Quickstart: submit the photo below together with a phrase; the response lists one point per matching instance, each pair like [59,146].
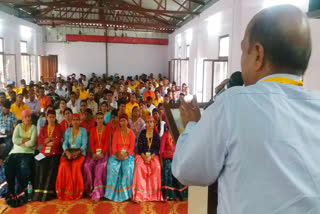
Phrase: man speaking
[262,141]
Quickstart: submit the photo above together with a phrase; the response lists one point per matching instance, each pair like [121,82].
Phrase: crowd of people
[105,137]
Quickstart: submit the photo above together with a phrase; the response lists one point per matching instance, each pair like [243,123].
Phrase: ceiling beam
[113,4]
[87,22]
[156,18]
[198,2]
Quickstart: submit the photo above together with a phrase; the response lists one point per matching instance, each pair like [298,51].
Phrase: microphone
[235,80]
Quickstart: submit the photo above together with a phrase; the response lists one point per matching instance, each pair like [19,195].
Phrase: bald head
[284,33]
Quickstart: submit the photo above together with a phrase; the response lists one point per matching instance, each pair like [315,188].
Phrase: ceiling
[150,15]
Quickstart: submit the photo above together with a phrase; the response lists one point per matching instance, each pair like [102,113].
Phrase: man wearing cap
[18,106]
[7,122]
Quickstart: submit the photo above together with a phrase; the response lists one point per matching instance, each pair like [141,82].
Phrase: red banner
[113,39]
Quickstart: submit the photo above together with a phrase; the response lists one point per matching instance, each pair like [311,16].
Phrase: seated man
[19,106]
[7,122]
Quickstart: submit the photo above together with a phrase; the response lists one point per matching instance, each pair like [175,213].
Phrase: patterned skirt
[172,189]
[119,179]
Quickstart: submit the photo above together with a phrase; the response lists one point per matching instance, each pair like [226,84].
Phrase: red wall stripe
[113,39]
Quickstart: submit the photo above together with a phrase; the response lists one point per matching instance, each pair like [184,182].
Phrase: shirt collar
[290,76]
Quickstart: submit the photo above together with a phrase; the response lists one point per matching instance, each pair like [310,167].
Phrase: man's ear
[258,53]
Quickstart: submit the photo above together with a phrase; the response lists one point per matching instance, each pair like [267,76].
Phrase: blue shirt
[262,143]
[7,122]
[80,142]
[107,117]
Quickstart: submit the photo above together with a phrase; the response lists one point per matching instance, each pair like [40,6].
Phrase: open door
[48,67]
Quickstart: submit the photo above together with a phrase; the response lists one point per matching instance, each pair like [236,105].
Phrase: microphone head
[235,79]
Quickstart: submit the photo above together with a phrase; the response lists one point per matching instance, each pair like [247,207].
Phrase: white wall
[10,31]
[312,76]
[229,17]
[124,59]
[133,59]
[78,57]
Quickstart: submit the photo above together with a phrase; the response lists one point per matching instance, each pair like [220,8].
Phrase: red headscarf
[125,116]
[76,115]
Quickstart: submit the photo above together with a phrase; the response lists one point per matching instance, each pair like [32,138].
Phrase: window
[23,47]
[39,69]
[212,74]
[33,68]
[25,68]
[10,67]
[179,69]
[188,52]
[223,46]
[1,45]
[180,52]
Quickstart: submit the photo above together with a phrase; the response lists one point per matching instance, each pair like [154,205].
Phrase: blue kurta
[262,143]
[80,142]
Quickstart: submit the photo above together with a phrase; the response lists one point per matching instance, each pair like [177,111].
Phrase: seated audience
[67,122]
[149,105]
[89,121]
[74,103]
[7,122]
[92,103]
[60,110]
[44,99]
[130,105]
[159,124]
[18,107]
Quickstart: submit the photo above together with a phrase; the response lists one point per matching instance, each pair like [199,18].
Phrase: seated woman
[67,122]
[112,125]
[147,173]
[121,163]
[50,138]
[42,119]
[172,189]
[96,162]
[136,124]
[89,122]
[60,111]
[159,124]
[69,185]
[104,110]
[19,164]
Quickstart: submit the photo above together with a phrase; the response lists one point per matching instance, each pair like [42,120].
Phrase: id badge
[48,149]
[123,151]
[148,153]
[98,151]
[73,146]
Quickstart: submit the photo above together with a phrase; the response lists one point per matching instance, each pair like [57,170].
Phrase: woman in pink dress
[147,173]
